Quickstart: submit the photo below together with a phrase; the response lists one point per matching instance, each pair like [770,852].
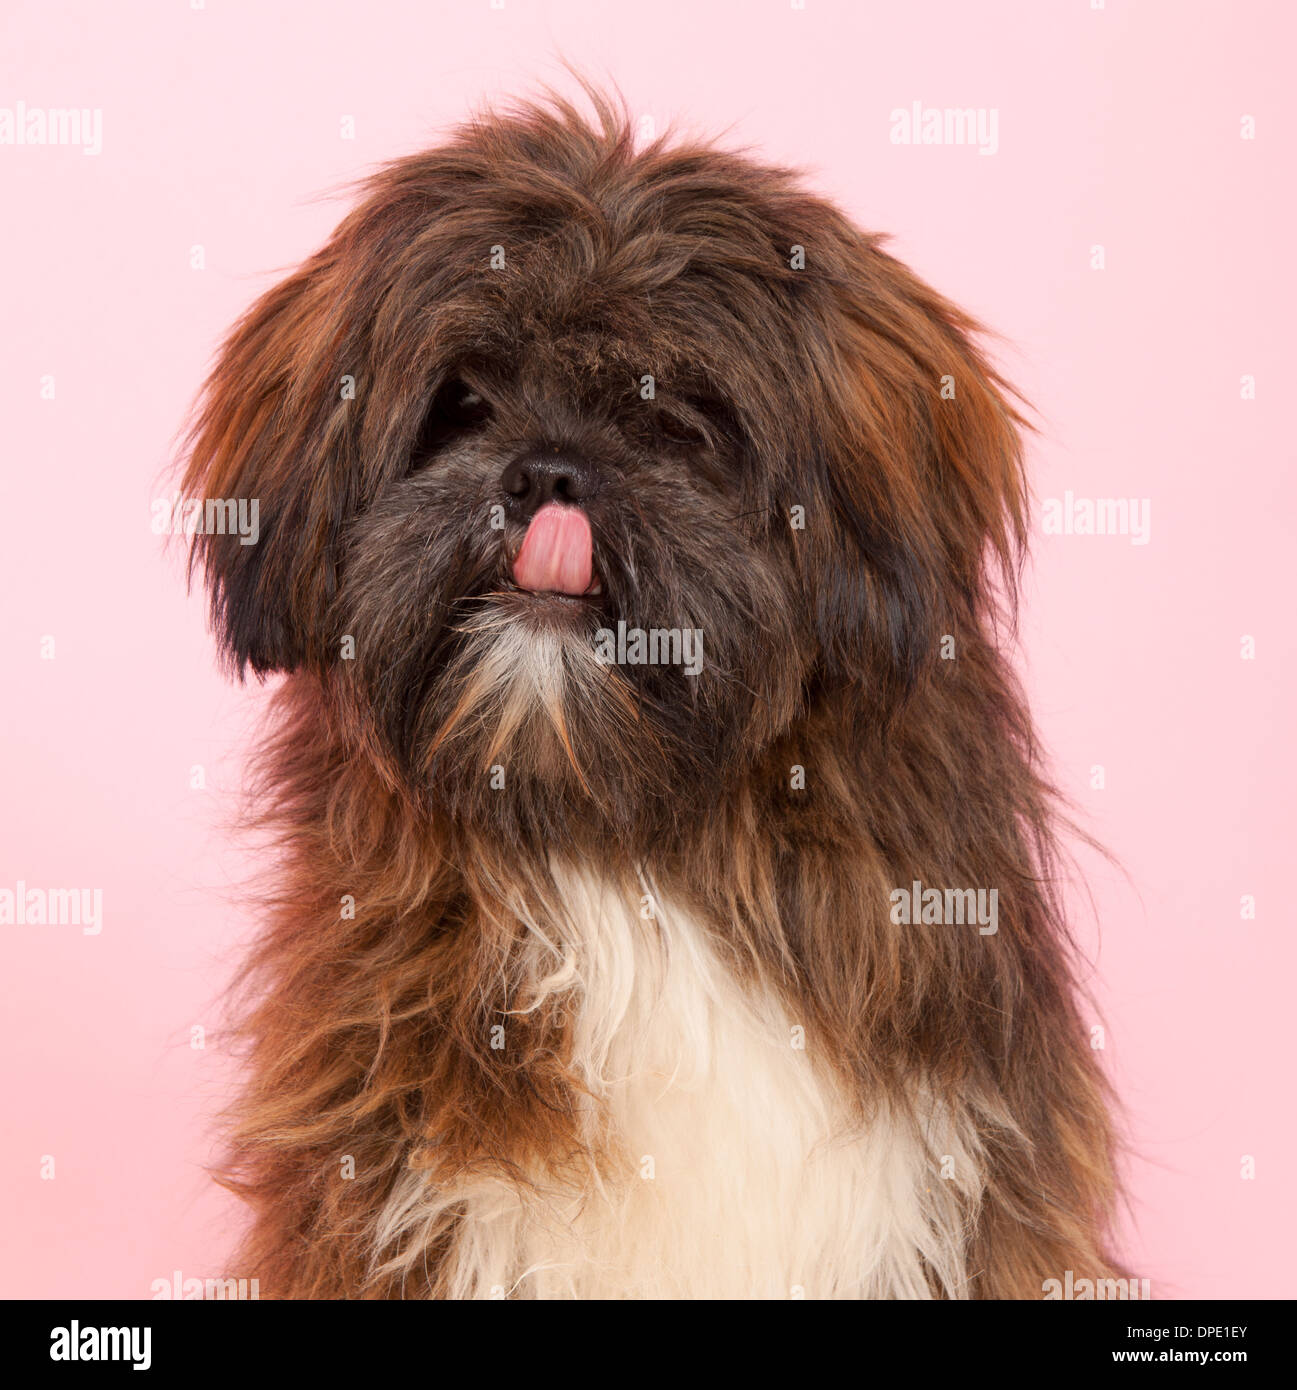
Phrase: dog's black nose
[536,478]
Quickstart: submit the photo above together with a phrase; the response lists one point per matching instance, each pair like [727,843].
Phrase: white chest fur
[741,1174]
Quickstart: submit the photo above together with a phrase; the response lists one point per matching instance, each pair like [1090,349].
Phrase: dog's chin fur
[581,979]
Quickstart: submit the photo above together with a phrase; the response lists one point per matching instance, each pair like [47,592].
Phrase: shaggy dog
[667,902]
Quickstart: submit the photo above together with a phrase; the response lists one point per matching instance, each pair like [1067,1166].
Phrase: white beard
[738,1168]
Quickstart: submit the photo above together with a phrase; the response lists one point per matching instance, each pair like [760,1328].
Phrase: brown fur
[777,388]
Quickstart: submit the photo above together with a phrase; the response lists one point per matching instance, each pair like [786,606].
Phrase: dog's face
[584,474]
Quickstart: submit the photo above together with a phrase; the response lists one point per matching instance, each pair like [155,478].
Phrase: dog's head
[583,473]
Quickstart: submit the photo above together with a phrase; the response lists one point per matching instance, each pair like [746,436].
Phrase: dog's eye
[700,422]
[679,428]
[457,409]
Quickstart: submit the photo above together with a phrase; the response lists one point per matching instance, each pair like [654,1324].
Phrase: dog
[667,895]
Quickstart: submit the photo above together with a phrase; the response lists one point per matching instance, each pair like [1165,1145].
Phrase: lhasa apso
[667,903]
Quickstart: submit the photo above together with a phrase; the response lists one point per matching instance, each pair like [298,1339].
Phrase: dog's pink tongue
[557,552]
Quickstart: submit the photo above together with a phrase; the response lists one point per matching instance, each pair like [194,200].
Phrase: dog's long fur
[573,983]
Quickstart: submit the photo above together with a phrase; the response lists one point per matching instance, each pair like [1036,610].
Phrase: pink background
[221,127]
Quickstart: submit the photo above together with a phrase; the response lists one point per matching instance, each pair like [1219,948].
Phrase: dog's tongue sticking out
[557,552]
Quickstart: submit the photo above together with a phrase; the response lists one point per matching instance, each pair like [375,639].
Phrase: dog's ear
[874,586]
[273,433]
[921,474]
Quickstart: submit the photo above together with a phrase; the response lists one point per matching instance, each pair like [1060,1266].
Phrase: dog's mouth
[556,556]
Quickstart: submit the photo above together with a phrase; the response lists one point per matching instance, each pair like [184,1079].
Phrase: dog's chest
[725,1162]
